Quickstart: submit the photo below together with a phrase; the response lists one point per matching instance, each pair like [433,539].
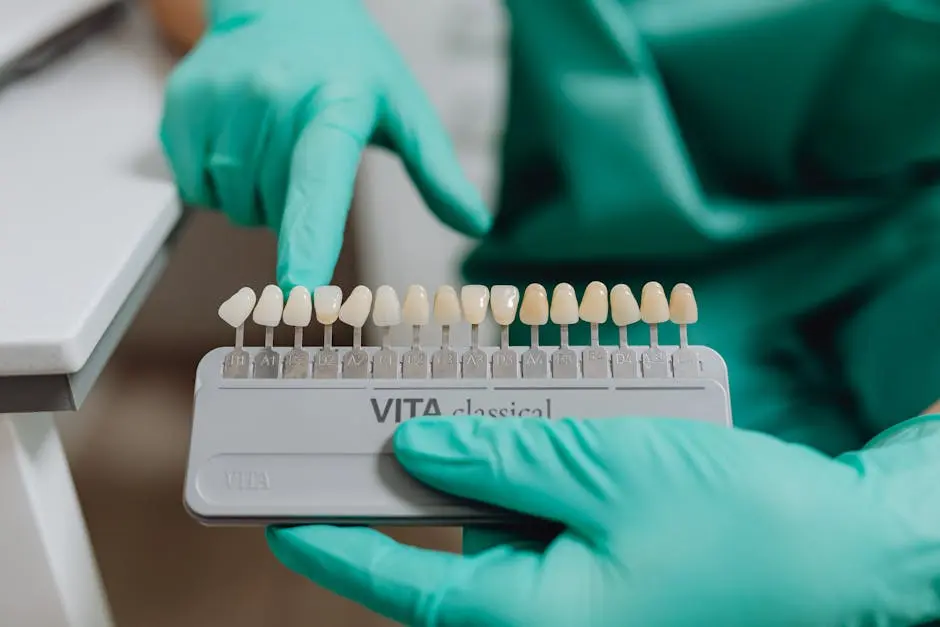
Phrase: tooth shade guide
[654,306]
[356,363]
[269,307]
[447,306]
[321,429]
[386,308]
[235,311]
[445,362]
[327,302]
[238,307]
[236,365]
[564,312]
[416,311]
[654,310]
[474,301]
[595,305]
[534,312]
[683,311]
[624,308]
[595,309]
[504,303]
[355,311]
[473,361]
[416,308]
[564,305]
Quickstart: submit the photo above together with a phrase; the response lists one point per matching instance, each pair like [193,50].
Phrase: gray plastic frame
[294,451]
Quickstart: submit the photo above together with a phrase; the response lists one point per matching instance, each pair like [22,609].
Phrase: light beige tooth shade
[447,306]
[595,305]
[355,311]
[654,306]
[270,307]
[534,309]
[250,294]
[682,306]
[416,310]
[624,310]
[386,310]
[564,309]
[474,300]
[327,301]
[504,301]
[299,308]
[237,309]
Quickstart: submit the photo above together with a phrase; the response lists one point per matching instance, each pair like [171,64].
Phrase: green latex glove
[268,117]
[666,523]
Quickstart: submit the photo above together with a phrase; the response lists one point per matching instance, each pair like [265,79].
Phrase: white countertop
[84,200]
[24,23]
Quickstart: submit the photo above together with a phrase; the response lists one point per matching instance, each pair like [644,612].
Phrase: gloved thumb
[428,155]
[551,470]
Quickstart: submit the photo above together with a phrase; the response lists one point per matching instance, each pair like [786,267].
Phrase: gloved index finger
[322,179]
[183,135]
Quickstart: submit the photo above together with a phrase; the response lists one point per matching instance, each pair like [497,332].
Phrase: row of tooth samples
[449,309]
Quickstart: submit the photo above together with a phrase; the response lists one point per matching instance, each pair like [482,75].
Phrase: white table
[85,219]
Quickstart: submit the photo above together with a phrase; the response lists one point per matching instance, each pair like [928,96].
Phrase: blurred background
[128,444]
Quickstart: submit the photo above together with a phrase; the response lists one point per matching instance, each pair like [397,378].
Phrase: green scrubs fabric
[782,157]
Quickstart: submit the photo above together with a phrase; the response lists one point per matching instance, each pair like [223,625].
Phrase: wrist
[220,11]
[914,429]
[901,465]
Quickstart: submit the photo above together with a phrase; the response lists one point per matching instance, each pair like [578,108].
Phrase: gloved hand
[267,119]
[667,523]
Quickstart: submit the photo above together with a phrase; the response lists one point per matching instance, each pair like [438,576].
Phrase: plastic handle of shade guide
[318,450]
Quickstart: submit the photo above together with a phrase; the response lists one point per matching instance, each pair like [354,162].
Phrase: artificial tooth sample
[235,311]
[624,311]
[504,301]
[564,312]
[533,312]
[654,310]
[327,301]
[386,313]
[355,313]
[267,314]
[683,311]
[474,300]
[297,313]
[415,311]
[445,363]
[594,310]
